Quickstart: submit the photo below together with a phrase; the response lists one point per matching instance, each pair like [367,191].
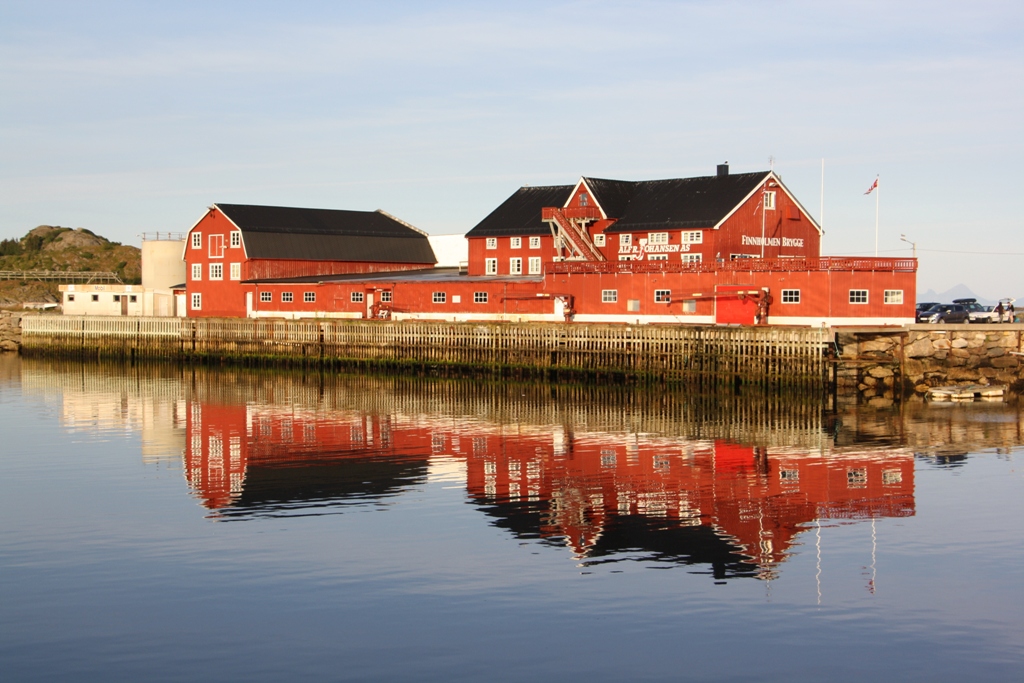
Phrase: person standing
[999,312]
[1009,312]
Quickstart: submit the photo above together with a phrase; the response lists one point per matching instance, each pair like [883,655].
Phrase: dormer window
[584,199]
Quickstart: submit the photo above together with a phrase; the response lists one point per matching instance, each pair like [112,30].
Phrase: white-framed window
[197,271]
[236,239]
[609,296]
[893,296]
[791,296]
[117,298]
[479,297]
[385,297]
[515,242]
[657,238]
[693,237]
[216,246]
[584,199]
[626,257]
[515,266]
[456,298]
[662,296]
[857,477]
[266,297]
[535,242]
[216,271]
[690,306]
[95,297]
[309,297]
[197,240]
[858,296]
[71,297]
[769,201]
[197,301]
[287,297]
[490,266]
[625,240]
[440,297]
[132,299]
[535,265]
[236,271]
[633,305]
[492,242]
[692,258]
[599,239]
[657,257]
[356,297]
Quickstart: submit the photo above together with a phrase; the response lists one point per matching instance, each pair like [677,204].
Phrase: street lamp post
[913,245]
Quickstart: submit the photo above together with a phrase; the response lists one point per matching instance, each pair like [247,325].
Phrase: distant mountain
[961,291]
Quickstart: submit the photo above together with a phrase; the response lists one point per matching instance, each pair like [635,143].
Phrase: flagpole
[878,191]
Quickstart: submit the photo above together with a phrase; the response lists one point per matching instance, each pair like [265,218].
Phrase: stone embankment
[10,331]
[883,364]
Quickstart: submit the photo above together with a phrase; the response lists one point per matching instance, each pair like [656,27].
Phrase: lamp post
[913,245]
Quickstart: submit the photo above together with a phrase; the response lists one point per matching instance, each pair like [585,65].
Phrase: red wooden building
[722,249]
[233,245]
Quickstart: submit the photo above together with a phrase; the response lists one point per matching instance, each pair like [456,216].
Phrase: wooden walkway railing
[765,356]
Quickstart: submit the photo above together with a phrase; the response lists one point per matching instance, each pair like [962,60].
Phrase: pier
[766,357]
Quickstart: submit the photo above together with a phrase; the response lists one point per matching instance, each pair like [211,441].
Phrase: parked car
[976,312]
[945,313]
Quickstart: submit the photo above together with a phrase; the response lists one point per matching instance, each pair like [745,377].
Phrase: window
[657,238]
[690,306]
[892,477]
[691,258]
[535,243]
[535,265]
[95,297]
[197,240]
[309,297]
[491,266]
[385,297]
[356,297]
[893,296]
[216,246]
[584,199]
[440,297]
[625,240]
[456,298]
[515,266]
[117,298]
[197,271]
[657,257]
[599,240]
[633,305]
[626,257]
[216,271]
[516,242]
[71,297]
[769,201]
[236,271]
[479,297]
[236,239]
[133,299]
[789,476]
[858,296]
[492,242]
[287,297]
[857,478]
[266,297]
[693,237]
[609,296]
[197,301]
[791,296]
[662,296]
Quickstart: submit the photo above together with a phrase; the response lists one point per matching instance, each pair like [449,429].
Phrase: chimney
[723,169]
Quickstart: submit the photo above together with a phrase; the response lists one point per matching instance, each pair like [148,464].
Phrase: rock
[996,351]
[919,349]
[959,343]
[879,372]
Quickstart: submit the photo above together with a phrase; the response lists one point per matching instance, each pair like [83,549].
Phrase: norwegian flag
[874,186]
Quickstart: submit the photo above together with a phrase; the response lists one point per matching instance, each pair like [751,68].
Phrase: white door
[248,304]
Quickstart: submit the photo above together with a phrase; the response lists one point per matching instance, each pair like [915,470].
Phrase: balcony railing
[824,263]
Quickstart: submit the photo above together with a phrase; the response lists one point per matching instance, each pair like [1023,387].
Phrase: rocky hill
[50,247]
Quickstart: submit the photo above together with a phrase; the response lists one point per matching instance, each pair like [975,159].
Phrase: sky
[133,117]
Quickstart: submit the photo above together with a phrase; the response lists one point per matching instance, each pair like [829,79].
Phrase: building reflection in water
[725,484]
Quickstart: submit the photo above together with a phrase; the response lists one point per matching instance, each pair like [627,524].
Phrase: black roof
[674,203]
[281,232]
[520,213]
[638,205]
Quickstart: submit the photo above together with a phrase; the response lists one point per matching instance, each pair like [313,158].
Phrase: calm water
[166,524]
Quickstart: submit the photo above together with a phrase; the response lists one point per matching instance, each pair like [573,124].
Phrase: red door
[735,304]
